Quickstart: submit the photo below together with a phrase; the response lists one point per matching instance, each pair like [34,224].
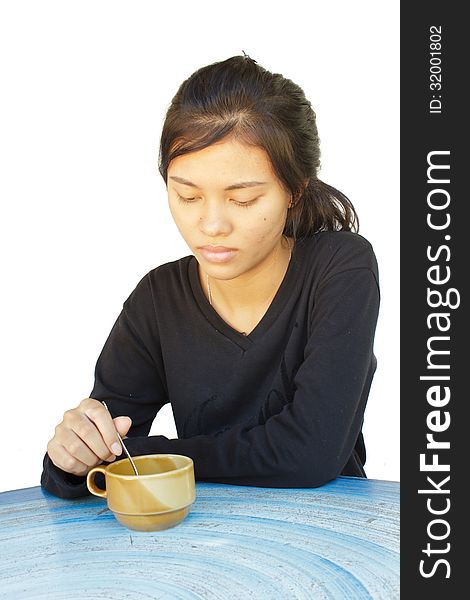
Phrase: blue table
[340,541]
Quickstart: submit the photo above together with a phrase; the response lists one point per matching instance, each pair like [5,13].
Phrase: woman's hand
[86,437]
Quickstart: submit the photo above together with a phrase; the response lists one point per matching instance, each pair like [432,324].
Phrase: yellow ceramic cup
[159,498]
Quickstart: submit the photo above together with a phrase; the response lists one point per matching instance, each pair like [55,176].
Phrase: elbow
[313,473]
[298,465]
[312,479]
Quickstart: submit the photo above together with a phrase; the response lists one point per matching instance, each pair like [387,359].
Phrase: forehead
[223,164]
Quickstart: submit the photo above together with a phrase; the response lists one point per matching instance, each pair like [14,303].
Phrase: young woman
[262,339]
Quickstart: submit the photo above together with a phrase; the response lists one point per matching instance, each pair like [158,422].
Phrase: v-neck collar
[273,311]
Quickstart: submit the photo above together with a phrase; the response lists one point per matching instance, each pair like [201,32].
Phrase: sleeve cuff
[62,484]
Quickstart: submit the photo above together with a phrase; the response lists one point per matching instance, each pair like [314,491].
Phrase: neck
[255,289]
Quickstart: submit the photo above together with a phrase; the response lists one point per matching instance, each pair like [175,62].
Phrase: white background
[85,87]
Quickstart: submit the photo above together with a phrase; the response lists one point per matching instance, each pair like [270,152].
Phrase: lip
[218,254]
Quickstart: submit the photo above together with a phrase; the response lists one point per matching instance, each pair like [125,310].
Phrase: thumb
[122,424]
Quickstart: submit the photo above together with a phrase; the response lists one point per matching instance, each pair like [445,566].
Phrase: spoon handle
[122,443]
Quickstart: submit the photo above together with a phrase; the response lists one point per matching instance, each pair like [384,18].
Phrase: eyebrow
[234,186]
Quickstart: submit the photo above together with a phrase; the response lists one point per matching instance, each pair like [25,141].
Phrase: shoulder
[336,251]
[160,281]
[329,254]
[170,271]
[340,243]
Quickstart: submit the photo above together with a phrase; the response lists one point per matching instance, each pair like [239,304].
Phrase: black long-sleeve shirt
[280,407]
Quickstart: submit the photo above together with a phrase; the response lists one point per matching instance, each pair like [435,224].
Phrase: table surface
[339,541]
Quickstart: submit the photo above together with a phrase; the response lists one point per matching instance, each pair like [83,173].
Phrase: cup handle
[90,482]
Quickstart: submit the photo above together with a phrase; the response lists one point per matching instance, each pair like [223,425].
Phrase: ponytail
[320,207]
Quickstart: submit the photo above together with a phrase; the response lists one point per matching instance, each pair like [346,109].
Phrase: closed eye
[183,199]
[194,199]
[246,204]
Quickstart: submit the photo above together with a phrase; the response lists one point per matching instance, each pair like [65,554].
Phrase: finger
[62,459]
[89,433]
[80,450]
[102,419]
[122,424]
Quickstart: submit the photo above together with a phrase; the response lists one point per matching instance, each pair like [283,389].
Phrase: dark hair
[238,98]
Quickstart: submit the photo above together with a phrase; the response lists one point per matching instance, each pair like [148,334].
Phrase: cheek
[264,228]
[182,218]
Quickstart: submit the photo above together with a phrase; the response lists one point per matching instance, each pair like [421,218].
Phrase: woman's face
[228,196]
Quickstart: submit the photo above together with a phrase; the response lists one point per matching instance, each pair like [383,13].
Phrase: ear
[296,197]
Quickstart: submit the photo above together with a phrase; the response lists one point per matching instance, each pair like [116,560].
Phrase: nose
[213,220]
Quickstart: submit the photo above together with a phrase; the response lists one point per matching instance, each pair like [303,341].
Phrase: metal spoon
[122,443]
